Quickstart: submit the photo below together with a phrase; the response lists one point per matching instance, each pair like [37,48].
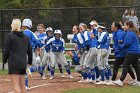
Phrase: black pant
[131,59]
[118,62]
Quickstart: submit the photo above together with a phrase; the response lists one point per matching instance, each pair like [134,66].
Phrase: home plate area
[37,85]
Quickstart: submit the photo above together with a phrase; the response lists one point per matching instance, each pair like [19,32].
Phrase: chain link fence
[61,18]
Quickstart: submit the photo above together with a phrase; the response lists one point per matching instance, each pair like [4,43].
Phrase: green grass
[105,90]
[3,72]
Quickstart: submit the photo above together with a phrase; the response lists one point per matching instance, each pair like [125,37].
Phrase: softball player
[108,73]
[94,31]
[26,25]
[57,48]
[93,27]
[76,56]
[102,52]
[91,60]
[46,58]
[83,48]
[87,52]
[40,36]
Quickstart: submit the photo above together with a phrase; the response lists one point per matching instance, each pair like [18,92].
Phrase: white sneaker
[71,77]
[87,80]
[109,83]
[27,88]
[43,77]
[136,83]
[100,83]
[82,81]
[118,82]
[98,79]
[132,82]
[51,77]
[91,81]
[62,76]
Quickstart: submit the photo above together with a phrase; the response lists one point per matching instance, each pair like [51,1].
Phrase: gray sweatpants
[79,68]
[107,57]
[102,53]
[46,58]
[57,57]
[91,58]
[42,54]
[34,62]
[82,57]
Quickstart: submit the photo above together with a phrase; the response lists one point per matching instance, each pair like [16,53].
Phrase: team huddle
[92,50]
[48,50]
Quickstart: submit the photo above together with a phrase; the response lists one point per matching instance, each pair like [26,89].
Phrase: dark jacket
[17,47]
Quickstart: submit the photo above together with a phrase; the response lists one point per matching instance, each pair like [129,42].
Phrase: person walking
[15,54]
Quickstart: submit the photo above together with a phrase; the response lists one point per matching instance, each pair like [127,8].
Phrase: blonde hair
[16,25]
[83,25]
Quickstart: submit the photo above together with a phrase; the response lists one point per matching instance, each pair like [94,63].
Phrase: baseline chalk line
[38,86]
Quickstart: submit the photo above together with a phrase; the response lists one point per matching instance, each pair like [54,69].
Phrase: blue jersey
[131,43]
[80,41]
[86,38]
[74,39]
[33,39]
[56,45]
[102,41]
[95,32]
[118,38]
[75,58]
[93,42]
[40,38]
[46,39]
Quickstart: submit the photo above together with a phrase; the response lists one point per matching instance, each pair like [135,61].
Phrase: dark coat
[17,47]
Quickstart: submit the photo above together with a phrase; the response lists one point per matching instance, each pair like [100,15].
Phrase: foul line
[38,86]
[8,80]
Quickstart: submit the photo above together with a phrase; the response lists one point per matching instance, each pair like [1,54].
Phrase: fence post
[2,37]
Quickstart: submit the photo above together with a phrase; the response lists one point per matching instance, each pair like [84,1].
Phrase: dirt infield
[49,86]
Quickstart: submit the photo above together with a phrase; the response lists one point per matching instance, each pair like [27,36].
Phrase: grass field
[105,90]
[3,72]
[0,56]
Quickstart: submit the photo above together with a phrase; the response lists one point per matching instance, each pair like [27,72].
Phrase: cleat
[136,84]
[100,83]
[51,77]
[90,81]
[43,77]
[132,82]
[118,82]
[109,83]
[62,76]
[71,77]
[98,79]
[82,81]
[27,88]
